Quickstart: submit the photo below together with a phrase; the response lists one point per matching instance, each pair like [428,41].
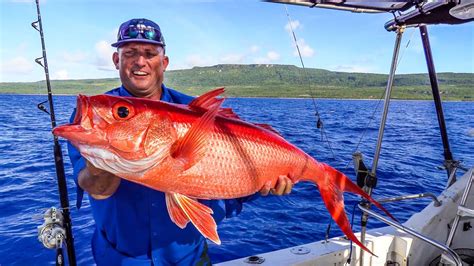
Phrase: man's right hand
[98,183]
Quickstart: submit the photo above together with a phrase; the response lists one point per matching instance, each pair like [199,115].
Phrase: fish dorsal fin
[228,112]
[208,99]
[193,145]
[184,209]
[270,128]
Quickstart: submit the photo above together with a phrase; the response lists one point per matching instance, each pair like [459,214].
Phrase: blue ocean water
[411,152]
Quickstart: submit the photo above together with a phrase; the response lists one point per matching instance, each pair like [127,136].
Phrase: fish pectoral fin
[193,145]
[175,212]
[196,212]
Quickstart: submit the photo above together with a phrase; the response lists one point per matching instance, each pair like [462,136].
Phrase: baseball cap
[139,30]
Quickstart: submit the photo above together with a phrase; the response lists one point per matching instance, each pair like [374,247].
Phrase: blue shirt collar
[165,93]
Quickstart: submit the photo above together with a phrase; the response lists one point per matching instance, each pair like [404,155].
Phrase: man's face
[141,67]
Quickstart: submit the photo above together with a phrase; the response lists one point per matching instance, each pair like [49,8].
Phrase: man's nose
[141,60]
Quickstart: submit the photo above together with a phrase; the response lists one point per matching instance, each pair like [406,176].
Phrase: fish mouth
[80,129]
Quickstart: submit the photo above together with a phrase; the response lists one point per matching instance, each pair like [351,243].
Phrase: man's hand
[98,183]
[282,187]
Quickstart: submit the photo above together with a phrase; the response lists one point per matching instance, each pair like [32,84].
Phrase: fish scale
[198,151]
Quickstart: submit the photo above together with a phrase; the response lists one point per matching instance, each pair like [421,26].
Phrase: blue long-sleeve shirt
[133,226]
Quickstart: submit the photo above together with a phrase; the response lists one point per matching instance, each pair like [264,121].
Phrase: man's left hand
[282,187]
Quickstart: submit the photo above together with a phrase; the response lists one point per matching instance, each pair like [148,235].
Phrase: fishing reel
[52,233]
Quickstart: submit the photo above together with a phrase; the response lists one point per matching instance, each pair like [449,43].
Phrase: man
[132,223]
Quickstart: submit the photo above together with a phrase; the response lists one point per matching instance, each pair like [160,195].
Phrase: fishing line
[378,102]
[352,223]
[405,48]
[362,135]
[63,231]
[319,123]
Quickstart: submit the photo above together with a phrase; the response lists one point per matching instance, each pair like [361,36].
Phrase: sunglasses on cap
[140,31]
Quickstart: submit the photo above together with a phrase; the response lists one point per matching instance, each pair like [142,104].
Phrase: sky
[78,34]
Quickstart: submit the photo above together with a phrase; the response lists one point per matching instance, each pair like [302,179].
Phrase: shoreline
[283,98]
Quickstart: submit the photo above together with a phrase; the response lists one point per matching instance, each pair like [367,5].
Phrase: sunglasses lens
[150,34]
[133,32]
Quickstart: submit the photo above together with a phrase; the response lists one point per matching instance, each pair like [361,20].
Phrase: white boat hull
[389,244]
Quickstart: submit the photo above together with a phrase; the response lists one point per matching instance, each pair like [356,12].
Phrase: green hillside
[276,81]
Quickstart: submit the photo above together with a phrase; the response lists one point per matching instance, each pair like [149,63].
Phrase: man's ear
[116,60]
[166,61]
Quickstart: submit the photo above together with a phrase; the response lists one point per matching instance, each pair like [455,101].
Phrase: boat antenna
[319,123]
[51,230]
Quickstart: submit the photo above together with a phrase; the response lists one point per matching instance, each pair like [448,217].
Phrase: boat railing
[448,251]
[462,211]
[436,202]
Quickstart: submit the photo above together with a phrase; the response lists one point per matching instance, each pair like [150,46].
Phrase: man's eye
[151,55]
[129,54]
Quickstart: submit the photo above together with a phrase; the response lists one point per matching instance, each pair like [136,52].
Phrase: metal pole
[462,203]
[456,259]
[388,92]
[448,157]
[58,157]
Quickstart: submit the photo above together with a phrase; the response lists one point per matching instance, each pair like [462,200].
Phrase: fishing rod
[57,227]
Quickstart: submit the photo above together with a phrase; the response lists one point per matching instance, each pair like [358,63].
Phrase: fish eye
[123,111]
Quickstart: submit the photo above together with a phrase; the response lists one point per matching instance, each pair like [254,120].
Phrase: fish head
[110,129]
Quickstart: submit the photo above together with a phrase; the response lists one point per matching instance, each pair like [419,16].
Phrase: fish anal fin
[199,214]
[193,145]
[175,212]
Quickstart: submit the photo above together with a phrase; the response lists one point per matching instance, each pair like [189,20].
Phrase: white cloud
[232,59]
[295,24]
[353,68]
[269,58]
[104,53]
[17,65]
[254,48]
[199,60]
[305,49]
[61,74]
[74,57]
[24,1]
[272,55]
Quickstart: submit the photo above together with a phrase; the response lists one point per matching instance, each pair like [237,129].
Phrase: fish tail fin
[332,184]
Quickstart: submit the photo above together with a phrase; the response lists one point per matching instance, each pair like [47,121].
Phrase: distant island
[281,81]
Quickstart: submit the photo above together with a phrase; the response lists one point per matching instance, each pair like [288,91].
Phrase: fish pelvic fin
[193,145]
[183,209]
[332,184]
[177,215]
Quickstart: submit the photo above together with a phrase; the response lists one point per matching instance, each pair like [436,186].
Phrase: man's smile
[139,73]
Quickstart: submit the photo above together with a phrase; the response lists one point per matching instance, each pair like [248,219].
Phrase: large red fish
[197,151]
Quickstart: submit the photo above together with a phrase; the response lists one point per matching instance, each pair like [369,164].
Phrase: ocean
[411,155]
